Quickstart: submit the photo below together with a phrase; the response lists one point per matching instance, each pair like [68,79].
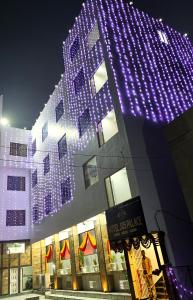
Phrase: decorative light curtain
[91,239]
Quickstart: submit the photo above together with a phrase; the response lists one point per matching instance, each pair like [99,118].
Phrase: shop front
[142,251]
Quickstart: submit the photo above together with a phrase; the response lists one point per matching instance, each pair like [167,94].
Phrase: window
[117,187]
[34,178]
[35,215]
[83,122]
[163,37]
[79,81]
[74,48]
[62,146]
[99,79]
[17,149]
[33,147]
[107,128]
[90,172]
[46,162]
[15,218]
[48,204]
[15,248]
[93,36]
[44,132]
[66,191]
[59,110]
[15,183]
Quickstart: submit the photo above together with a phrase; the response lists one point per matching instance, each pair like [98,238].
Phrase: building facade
[99,142]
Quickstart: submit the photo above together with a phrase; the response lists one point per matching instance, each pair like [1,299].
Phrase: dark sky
[31,36]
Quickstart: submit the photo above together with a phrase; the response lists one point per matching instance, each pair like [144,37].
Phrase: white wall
[14,200]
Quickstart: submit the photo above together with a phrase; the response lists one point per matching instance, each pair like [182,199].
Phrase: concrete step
[87,295]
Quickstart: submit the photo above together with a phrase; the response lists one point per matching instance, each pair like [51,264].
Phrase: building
[99,141]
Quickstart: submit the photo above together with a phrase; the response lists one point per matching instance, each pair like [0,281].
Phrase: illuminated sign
[126,220]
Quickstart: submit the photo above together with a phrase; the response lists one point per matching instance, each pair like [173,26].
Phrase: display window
[88,258]
[65,257]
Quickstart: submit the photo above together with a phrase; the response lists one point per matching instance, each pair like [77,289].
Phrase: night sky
[31,36]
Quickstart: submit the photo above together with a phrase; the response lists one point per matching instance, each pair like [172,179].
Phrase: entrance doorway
[14,281]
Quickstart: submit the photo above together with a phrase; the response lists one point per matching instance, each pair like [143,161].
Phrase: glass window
[163,37]
[62,146]
[14,248]
[117,187]
[46,162]
[35,215]
[17,149]
[99,79]
[34,178]
[79,81]
[74,48]
[44,132]
[15,183]
[107,128]
[84,122]
[48,204]
[93,36]
[34,147]
[66,191]
[15,218]
[59,110]
[90,172]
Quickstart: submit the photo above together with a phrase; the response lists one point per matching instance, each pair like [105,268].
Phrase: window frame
[20,184]
[78,88]
[80,131]
[18,151]
[57,110]
[109,176]
[36,182]
[46,171]
[16,217]
[45,126]
[84,167]
[62,154]
[64,185]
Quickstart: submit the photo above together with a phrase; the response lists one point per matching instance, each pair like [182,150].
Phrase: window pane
[109,191]
[74,48]
[93,36]
[117,187]
[15,218]
[107,128]
[46,162]
[22,150]
[48,204]
[66,191]
[35,215]
[120,186]
[59,110]
[34,178]
[44,132]
[33,147]
[62,147]
[90,172]
[79,81]
[15,183]
[17,149]
[84,122]
[100,78]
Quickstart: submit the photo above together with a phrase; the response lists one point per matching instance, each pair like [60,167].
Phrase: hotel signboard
[126,220]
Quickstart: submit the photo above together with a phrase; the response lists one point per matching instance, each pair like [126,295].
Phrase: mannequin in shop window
[147,273]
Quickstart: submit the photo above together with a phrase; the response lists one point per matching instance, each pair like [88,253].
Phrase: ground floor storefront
[81,259]
[15,267]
